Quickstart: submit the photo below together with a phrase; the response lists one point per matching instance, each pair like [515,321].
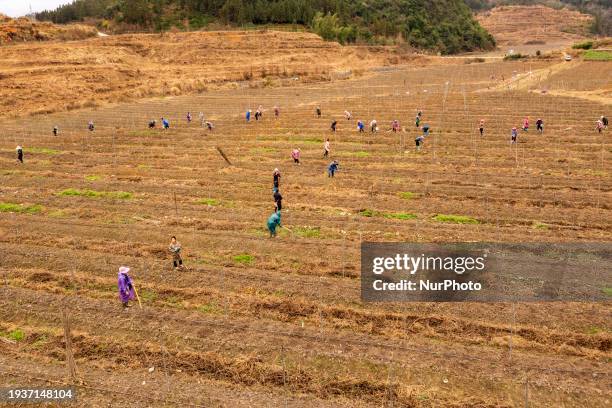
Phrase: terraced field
[261,322]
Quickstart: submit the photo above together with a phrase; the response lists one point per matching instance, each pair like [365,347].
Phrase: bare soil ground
[284,326]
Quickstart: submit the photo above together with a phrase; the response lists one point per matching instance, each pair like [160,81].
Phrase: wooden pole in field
[71,365]
[224,156]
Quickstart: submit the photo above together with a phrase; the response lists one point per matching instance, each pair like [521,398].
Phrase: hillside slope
[446,26]
[43,78]
[23,29]
[517,26]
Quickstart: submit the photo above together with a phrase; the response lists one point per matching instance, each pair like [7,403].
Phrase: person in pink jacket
[295,155]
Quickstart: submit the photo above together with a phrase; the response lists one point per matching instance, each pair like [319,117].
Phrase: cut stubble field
[255,321]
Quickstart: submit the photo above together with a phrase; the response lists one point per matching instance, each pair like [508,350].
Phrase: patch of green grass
[585,45]
[607,291]
[406,195]
[209,201]
[144,166]
[71,192]
[456,219]
[43,150]
[20,208]
[209,308]
[307,232]
[394,216]
[593,330]
[15,335]
[40,341]
[515,56]
[598,55]
[399,216]
[258,150]
[174,301]
[367,213]
[359,154]
[540,225]
[57,214]
[148,295]
[244,259]
[92,177]
[311,140]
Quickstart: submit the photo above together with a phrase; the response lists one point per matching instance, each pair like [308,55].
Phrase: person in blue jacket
[273,222]
[248,115]
[165,123]
[333,167]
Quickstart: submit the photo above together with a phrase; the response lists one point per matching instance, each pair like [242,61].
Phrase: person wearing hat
[19,153]
[513,135]
[276,177]
[126,289]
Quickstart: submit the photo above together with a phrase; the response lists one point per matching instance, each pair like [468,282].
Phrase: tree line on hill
[446,26]
[601,10]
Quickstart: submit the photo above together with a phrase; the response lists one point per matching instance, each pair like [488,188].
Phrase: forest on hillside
[446,26]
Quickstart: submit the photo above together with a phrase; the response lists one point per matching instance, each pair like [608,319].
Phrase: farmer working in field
[526,124]
[189,117]
[348,115]
[395,126]
[360,126]
[276,175]
[425,130]
[540,125]
[599,126]
[276,111]
[90,126]
[419,141]
[19,150]
[373,126]
[604,120]
[55,130]
[278,201]
[326,148]
[332,168]
[152,124]
[273,222]
[318,111]
[126,288]
[513,135]
[334,125]
[248,115]
[481,127]
[295,155]
[175,249]
[165,123]
[210,126]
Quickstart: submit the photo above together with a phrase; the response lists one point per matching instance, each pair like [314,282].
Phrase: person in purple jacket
[126,289]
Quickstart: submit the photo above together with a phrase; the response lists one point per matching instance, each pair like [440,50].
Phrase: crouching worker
[273,222]
[126,288]
[175,249]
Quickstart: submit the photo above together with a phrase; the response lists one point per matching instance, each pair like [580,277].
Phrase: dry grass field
[260,322]
[529,28]
[41,78]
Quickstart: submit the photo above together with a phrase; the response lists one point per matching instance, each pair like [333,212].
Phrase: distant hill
[23,29]
[601,10]
[446,26]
